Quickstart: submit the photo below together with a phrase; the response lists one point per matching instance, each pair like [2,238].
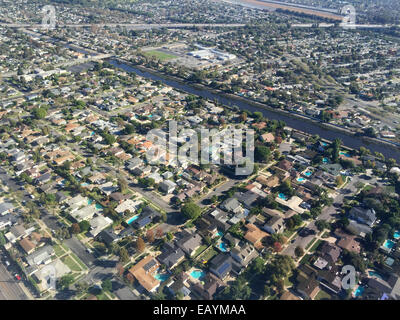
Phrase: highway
[133,26]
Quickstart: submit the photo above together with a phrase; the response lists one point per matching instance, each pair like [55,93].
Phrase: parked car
[18,277]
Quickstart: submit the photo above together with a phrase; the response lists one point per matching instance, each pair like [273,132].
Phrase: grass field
[59,251]
[162,56]
[315,245]
[71,263]
[323,295]
[82,265]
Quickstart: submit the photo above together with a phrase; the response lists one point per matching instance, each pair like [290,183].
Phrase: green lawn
[305,259]
[315,245]
[159,55]
[199,250]
[209,254]
[83,266]
[102,296]
[58,250]
[310,244]
[323,295]
[71,264]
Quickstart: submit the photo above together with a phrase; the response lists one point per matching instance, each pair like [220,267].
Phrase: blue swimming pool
[282,196]
[375,274]
[389,244]
[130,220]
[162,276]
[219,234]
[197,274]
[396,235]
[308,173]
[300,179]
[359,291]
[344,154]
[222,246]
[325,160]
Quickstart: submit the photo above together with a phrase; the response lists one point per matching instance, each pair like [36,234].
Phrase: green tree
[123,255]
[191,210]
[84,226]
[106,285]
[262,154]
[298,251]
[65,281]
[39,113]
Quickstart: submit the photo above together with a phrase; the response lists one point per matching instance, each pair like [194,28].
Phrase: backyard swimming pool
[389,244]
[359,291]
[282,196]
[197,274]
[396,235]
[308,173]
[301,179]
[325,160]
[375,274]
[222,246]
[344,154]
[162,276]
[132,219]
[219,234]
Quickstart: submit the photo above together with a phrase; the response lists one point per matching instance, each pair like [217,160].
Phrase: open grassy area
[58,250]
[162,56]
[102,296]
[209,254]
[315,245]
[82,265]
[200,250]
[323,295]
[305,259]
[71,264]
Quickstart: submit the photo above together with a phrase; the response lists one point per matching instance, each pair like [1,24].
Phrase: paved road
[218,191]
[123,292]
[9,288]
[101,270]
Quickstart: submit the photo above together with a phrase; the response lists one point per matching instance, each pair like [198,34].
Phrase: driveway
[80,250]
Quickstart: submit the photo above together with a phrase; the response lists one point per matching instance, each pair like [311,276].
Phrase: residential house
[171,255]
[167,186]
[189,242]
[144,272]
[40,256]
[244,253]
[363,215]
[255,236]
[274,224]
[98,224]
[232,205]
[148,215]
[221,265]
